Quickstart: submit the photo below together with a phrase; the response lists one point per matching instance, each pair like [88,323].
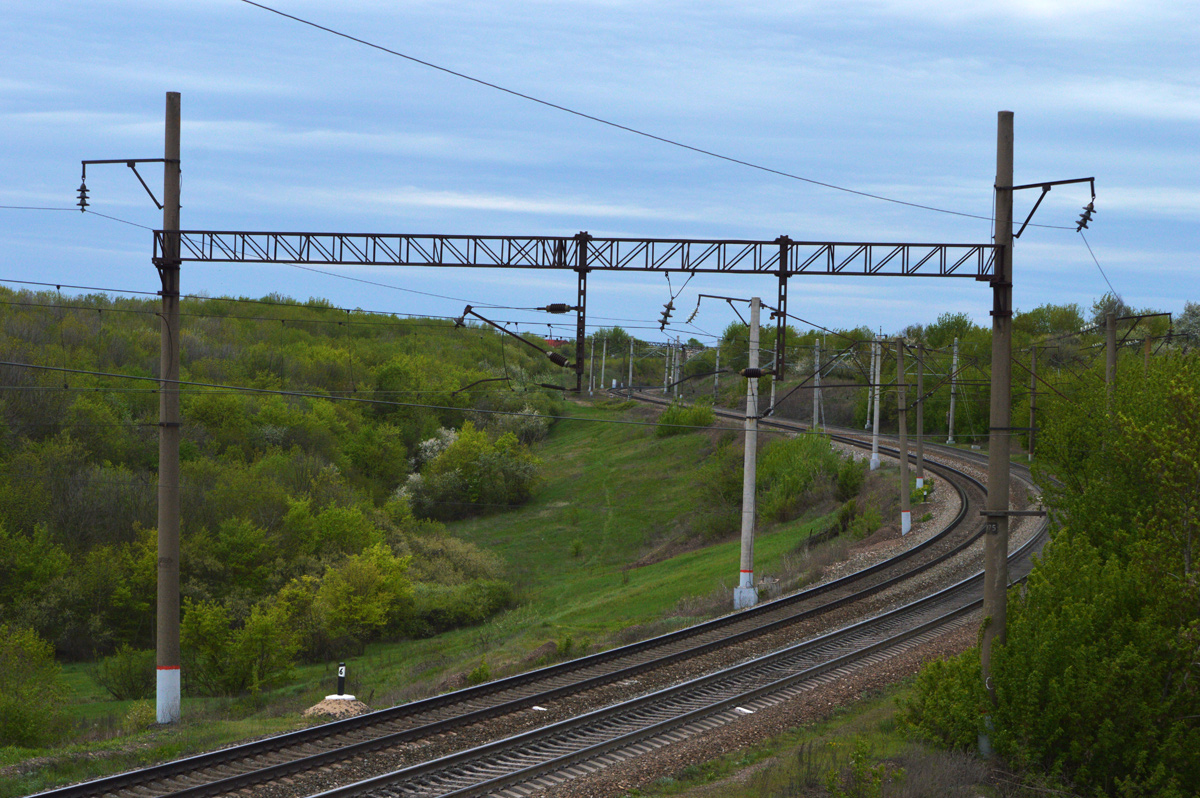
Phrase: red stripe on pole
[168,667]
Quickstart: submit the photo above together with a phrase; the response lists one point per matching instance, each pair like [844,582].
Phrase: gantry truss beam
[599,254]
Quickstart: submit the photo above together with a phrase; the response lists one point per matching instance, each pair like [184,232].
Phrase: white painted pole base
[167,696]
[950,440]
[339,697]
[905,523]
[744,597]
[874,462]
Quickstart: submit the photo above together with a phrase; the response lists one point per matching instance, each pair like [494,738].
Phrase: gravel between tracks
[807,708]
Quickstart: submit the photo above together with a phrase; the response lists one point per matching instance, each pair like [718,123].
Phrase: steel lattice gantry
[583,253]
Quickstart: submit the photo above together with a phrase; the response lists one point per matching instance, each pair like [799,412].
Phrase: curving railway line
[517,735]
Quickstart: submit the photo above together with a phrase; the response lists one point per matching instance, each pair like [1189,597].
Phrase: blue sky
[289,128]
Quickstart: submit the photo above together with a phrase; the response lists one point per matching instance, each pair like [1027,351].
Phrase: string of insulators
[1086,216]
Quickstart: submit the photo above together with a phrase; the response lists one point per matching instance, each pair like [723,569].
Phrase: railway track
[405,731]
[545,757]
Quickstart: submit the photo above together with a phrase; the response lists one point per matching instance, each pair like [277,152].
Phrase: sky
[289,128]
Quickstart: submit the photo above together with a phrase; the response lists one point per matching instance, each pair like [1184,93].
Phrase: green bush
[921,495]
[438,608]
[221,660]
[479,675]
[788,468]
[679,418]
[141,715]
[948,702]
[472,475]
[365,595]
[851,475]
[32,689]
[1095,685]
[127,674]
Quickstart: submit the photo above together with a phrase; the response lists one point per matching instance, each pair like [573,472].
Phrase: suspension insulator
[556,358]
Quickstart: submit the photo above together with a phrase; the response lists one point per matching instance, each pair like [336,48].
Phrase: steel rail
[683,703]
[437,727]
[460,698]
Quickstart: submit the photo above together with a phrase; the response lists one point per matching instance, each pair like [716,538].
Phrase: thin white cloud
[1154,200]
[1168,100]
[457,200]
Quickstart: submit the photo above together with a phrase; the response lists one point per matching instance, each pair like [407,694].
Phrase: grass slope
[614,500]
[611,495]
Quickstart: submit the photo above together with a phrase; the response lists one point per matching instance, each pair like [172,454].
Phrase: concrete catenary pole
[676,366]
[592,368]
[745,595]
[167,700]
[603,363]
[953,390]
[816,417]
[630,383]
[1032,398]
[875,380]
[1110,352]
[920,447]
[995,541]
[870,390]
[666,368]
[717,377]
[901,404]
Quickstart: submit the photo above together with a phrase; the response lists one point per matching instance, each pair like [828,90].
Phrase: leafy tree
[473,474]
[1109,303]
[1188,322]
[948,327]
[1097,681]
[221,659]
[1049,320]
[27,563]
[32,689]
[365,595]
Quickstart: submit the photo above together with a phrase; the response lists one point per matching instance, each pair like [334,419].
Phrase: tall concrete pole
[666,368]
[920,416]
[167,697]
[592,368]
[630,383]
[870,390]
[745,594]
[603,363]
[677,365]
[995,541]
[953,390]
[1032,397]
[902,404]
[875,379]
[717,376]
[1110,351]
[816,416]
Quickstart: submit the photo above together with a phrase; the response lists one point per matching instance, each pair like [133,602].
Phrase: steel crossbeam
[600,254]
